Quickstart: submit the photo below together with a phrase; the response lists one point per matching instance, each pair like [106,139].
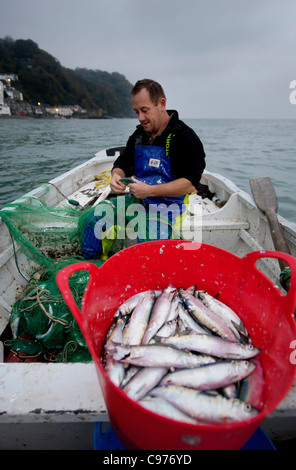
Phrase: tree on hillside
[43,79]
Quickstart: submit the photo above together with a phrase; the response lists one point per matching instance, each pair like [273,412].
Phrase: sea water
[33,151]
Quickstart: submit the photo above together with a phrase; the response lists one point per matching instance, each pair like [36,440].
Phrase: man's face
[151,116]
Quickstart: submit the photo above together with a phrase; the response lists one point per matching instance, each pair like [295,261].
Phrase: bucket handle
[62,280]
[249,260]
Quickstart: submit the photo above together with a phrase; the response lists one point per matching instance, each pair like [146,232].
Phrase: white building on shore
[66,111]
[4,110]
[11,92]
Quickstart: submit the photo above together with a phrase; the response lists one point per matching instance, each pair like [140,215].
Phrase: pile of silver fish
[185,355]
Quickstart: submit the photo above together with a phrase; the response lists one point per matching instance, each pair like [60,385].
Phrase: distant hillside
[43,79]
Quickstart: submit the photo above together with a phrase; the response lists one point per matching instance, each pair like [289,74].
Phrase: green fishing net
[42,325]
[51,237]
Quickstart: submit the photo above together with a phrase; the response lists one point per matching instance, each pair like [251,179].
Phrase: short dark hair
[154,89]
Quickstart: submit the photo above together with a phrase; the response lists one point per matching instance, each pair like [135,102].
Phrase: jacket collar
[172,124]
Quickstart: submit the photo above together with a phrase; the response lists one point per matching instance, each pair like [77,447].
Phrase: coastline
[15,116]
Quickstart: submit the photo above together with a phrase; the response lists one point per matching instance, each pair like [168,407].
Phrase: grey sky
[214,58]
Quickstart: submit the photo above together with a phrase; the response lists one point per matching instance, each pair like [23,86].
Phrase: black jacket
[185,150]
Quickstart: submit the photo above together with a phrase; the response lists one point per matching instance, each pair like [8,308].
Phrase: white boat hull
[38,393]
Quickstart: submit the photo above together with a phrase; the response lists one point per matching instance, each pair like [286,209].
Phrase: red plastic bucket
[267,314]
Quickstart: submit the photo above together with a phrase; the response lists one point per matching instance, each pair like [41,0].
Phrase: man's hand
[116,185]
[178,187]
[139,189]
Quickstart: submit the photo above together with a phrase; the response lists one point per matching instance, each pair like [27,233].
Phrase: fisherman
[164,159]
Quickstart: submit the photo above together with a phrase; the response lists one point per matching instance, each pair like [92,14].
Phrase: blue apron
[153,166]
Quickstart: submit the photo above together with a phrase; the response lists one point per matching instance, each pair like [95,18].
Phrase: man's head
[149,103]
[154,89]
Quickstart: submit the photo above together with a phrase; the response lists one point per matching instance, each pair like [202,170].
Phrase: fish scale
[204,406]
[210,376]
[159,313]
[153,355]
[137,325]
[212,345]
[206,317]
